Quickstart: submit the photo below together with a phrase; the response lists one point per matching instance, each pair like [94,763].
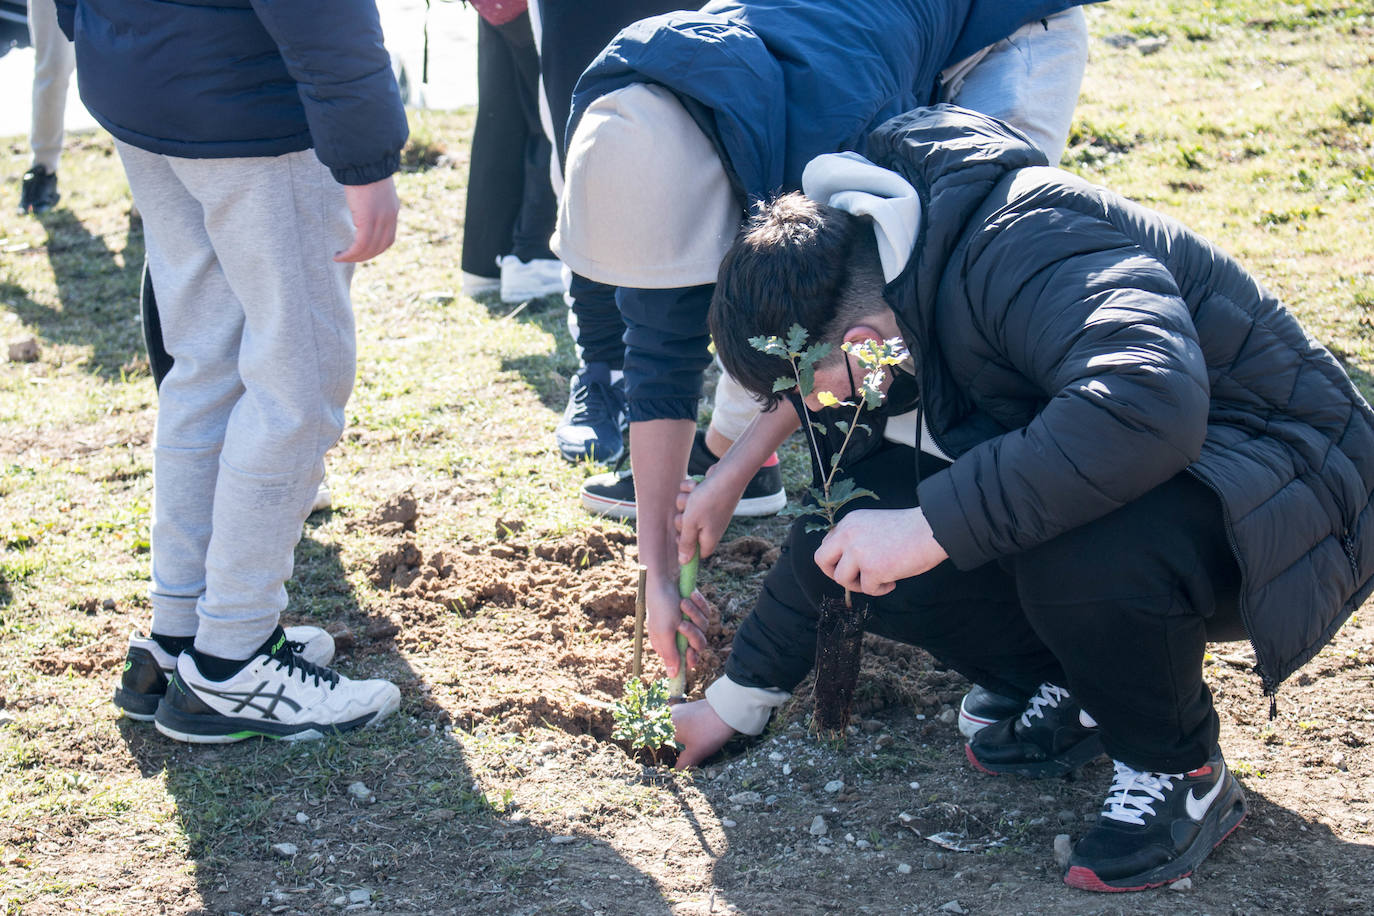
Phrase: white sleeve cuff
[745,709]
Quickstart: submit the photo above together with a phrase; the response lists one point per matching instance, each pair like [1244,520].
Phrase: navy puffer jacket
[215,79]
[1076,350]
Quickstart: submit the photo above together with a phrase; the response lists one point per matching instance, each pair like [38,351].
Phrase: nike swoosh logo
[1197,807]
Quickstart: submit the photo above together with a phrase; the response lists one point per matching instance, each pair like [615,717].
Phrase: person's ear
[861,333]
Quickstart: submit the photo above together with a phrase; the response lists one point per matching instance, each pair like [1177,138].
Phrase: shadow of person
[97,292]
[391,817]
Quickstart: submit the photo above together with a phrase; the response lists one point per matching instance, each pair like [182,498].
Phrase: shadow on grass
[546,374]
[390,817]
[98,295]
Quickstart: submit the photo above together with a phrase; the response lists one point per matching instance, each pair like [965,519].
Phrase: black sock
[221,669]
[173,645]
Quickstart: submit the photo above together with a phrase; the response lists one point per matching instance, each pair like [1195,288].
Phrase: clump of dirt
[544,627]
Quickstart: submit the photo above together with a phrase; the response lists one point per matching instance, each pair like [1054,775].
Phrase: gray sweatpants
[257,318]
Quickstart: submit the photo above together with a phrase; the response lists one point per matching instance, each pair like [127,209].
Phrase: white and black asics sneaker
[1155,828]
[148,666]
[277,694]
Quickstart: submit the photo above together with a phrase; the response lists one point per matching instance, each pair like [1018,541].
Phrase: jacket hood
[953,157]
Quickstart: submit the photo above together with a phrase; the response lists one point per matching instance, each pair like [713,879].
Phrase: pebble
[285,850]
[834,785]
[953,907]
[6,719]
[1182,884]
[883,740]
[360,791]
[339,900]
[728,822]
[934,861]
[746,798]
[872,726]
[1063,848]
[776,757]
[1152,44]
[24,351]
[862,844]
[1066,817]
[818,826]
[361,895]
[787,769]
[905,818]
[548,748]
[947,717]
[823,849]
[108,604]
[302,817]
[914,785]
[770,800]
[904,869]
[849,837]
[562,840]
[1338,760]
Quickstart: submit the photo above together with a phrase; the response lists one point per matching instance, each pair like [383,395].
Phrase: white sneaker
[475,285]
[522,280]
[323,498]
[277,695]
[148,667]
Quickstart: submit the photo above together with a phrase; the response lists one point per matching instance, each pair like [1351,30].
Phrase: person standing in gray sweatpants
[53,62]
[263,177]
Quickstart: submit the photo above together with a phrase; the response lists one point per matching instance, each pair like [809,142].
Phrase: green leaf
[814,354]
[796,338]
[818,427]
[806,380]
[783,383]
[813,527]
[843,426]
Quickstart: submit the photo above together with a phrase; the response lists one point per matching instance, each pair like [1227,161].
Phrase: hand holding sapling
[840,625]
[869,550]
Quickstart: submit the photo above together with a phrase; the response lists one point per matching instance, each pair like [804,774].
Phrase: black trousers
[1118,611]
[510,203]
[574,32]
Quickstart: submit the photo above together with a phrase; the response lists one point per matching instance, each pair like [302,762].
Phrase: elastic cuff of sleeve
[367,174]
[745,709]
[641,411]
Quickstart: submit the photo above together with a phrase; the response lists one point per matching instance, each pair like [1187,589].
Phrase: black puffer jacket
[1076,350]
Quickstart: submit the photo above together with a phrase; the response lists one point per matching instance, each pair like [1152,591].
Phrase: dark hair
[795,262]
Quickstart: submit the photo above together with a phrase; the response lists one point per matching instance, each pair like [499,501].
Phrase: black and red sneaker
[1051,737]
[1156,828]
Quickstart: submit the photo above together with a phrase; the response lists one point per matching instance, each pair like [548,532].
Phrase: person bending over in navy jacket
[1110,445]
[688,117]
[259,140]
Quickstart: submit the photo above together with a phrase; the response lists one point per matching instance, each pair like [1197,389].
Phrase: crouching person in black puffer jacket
[1110,445]
[259,139]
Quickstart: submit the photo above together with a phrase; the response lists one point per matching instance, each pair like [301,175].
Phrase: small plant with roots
[840,627]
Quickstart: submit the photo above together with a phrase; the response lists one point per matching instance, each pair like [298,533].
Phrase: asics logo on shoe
[276,646]
[1197,807]
[245,699]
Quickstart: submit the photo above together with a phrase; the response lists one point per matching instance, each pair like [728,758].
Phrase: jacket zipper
[1269,688]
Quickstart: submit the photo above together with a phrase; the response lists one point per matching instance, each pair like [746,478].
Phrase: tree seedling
[840,627]
[643,718]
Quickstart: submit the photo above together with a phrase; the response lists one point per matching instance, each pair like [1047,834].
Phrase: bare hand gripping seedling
[840,627]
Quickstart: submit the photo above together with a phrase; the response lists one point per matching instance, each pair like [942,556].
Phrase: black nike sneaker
[276,694]
[148,666]
[1053,736]
[1156,828]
